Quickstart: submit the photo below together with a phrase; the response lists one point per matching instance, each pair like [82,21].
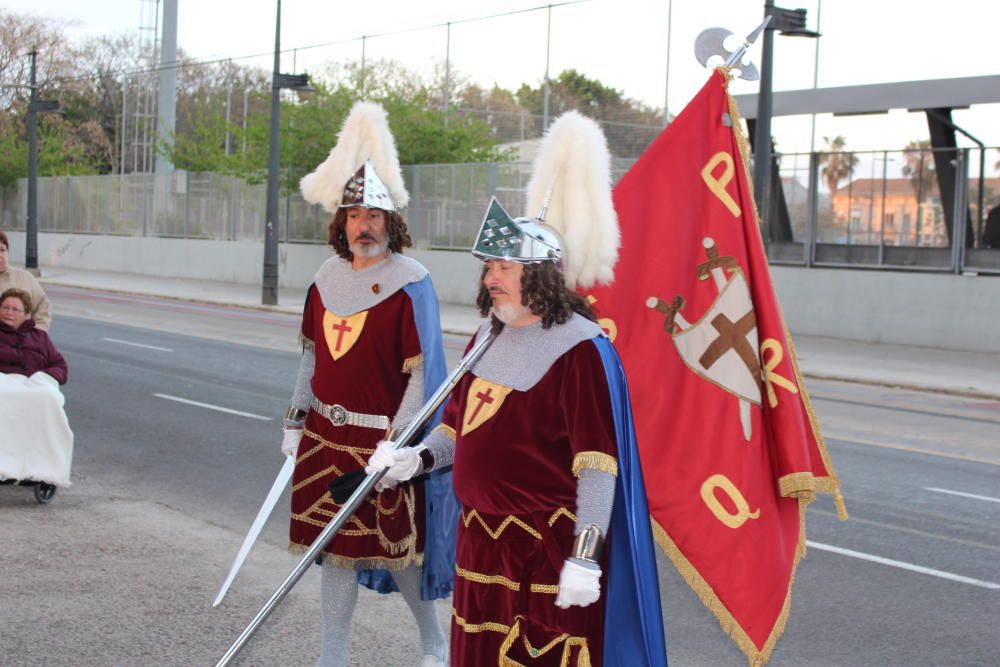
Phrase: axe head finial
[711,43]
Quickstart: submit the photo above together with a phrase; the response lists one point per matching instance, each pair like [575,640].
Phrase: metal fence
[886,209]
[447,203]
[879,209]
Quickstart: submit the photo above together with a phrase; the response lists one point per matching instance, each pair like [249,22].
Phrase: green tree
[629,125]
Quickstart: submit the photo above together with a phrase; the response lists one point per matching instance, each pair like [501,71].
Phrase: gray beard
[359,250]
[508,312]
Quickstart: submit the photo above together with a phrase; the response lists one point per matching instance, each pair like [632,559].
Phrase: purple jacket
[28,349]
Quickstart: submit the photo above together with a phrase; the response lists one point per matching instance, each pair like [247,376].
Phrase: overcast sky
[623,43]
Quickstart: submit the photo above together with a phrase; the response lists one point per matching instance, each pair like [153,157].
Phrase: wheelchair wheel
[44,492]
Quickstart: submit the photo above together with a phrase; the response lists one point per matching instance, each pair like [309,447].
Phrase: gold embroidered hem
[390,564]
[481,578]
[412,363]
[595,461]
[567,642]
[467,518]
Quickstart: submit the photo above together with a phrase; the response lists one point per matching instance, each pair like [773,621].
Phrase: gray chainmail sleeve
[442,447]
[302,395]
[595,494]
[413,398]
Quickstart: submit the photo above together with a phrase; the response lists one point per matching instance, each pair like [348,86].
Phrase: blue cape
[440,505]
[633,620]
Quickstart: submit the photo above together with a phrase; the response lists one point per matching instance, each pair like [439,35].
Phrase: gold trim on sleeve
[592,460]
[447,430]
[306,343]
[412,362]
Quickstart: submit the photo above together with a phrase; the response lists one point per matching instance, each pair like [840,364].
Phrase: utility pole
[269,283]
[35,106]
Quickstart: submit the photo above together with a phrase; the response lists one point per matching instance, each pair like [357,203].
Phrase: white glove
[290,441]
[578,585]
[400,464]
[43,378]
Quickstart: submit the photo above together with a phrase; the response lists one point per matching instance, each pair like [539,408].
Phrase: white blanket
[36,442]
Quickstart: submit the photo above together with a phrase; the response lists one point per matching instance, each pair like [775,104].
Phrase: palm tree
[838,164]
[919,167]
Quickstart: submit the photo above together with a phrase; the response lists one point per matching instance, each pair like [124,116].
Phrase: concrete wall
[933,310]
[927,309]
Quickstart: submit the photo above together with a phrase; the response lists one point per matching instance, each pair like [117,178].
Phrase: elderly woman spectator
[24,348]
[36,442]
[11,276]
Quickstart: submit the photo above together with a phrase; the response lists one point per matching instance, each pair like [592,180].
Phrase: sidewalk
[931,369]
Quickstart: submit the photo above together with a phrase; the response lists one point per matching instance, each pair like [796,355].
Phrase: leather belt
[341,416]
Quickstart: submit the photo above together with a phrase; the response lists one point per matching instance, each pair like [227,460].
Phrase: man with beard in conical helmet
[539,435]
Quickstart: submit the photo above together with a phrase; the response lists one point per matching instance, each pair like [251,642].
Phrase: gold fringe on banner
[801,486]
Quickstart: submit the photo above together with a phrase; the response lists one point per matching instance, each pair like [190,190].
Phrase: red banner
[730,448]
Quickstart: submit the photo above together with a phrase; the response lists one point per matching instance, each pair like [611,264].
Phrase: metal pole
[361,84]
[881,224]
[407,435]
[229,101]
[812,132]
[31,225]
[762,138]
[269,285]
[666,82]
[547,92]
[246,92]
[447,72]
[121,165]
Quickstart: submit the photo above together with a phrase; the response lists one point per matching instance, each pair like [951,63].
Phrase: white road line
[904,566]
[963,495]
[148,347]
[211,407]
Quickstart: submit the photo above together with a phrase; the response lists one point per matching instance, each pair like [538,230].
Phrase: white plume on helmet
[365,135]
[575,164]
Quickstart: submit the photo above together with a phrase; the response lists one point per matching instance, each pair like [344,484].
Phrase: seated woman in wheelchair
[36,442]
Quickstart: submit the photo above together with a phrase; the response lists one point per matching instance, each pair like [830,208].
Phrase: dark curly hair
[399,238]
[545,294]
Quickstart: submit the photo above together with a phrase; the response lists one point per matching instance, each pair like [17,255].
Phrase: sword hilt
[342,487]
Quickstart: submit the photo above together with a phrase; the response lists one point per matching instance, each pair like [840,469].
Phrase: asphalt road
[912,579]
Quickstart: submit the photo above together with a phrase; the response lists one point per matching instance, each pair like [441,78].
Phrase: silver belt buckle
[338,415]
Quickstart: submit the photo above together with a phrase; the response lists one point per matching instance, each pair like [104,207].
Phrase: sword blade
[280,482]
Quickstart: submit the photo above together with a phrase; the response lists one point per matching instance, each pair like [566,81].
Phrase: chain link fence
[447,203]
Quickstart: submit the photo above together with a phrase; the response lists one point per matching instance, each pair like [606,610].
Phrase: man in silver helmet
[372,352]
[537,433]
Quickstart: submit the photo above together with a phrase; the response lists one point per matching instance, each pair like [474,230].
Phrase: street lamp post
[789,22]
[35,106]
[269,284]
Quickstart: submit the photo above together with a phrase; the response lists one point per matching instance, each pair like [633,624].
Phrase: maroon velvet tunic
[515,476]
[375,350]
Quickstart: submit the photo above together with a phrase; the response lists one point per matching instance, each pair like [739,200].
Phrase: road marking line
[904,566]
[148,347]
[851,440]
[211,407]
[963,495]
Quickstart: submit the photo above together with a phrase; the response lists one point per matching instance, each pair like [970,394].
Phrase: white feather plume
[365,135]
[575,162]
